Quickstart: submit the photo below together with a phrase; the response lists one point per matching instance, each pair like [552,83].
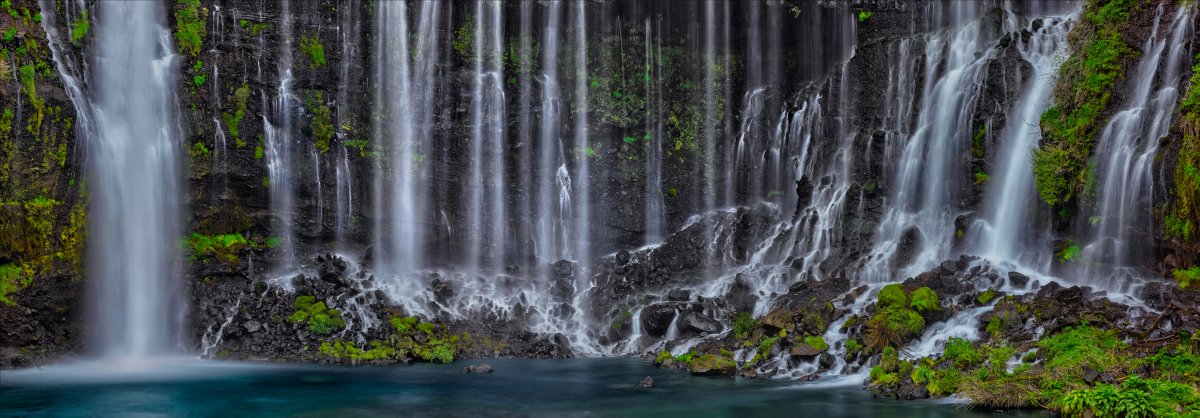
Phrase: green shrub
[925,299]
[743,325]
[404,325]
[962,353]
[1069,253]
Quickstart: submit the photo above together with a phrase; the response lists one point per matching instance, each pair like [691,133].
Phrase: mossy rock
[713,365]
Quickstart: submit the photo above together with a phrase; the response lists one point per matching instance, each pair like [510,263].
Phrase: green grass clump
[895,322]
[189,23]
[404,325]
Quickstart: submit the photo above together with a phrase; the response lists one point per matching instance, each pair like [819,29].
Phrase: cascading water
[1126,153]
[1011,199]
[918,227]
[486,208]
[134,160]
[402,101]
[349,32]
[549,219]
[653,193]
[278,146]
[582,183]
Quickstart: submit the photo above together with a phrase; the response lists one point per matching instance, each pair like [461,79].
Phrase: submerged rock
[478,368]
[648,382]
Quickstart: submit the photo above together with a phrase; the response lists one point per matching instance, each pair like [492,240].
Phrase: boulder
[693,323]
[713,365]
[656,319]
[252,326]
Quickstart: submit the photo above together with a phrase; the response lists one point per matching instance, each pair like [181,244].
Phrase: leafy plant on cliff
[1187,277]
[314,50]
[1184,216]
[1081,95]
[322,122]
[189,26]
[11,279]
[221,247]
[80,27]
[234,121]
[743,325]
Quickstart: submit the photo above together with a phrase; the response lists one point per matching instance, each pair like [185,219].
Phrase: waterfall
[278,148]
[526,186]
[655,137]
[918,226]
[349,32]
[583,208]
[1011,199]
[549,219]
[403,101]
[1126,152]
[134,159]
[486,208]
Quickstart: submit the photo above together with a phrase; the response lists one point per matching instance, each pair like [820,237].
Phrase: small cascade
[918,226]
[486,208]
[1122,222]
[134,164]
[277,126]
[1011,198]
